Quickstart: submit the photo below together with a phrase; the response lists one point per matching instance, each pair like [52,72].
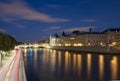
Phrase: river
[56,65]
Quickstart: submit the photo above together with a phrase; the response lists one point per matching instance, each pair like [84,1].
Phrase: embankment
[96,49]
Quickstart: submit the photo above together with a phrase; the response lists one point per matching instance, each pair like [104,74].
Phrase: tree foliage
[64,34]
[7,42]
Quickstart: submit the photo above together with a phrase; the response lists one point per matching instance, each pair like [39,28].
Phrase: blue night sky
[33,20]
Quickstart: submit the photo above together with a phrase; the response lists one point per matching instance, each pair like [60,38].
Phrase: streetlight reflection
[74,63]
[66,61]
[114,68]
[53,60]
[79,64]
[35,59]
[89,66]
[25,52]
[35,54]
[59,60]
[101,67]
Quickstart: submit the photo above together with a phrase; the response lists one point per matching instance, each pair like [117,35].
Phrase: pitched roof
[112,30]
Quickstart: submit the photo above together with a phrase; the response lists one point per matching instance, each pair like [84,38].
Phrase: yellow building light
[89,44]
[59,45]
[69,44]
[102,44]
[80,44]
[72,38]
[114,43]
[75,44]
[66,44]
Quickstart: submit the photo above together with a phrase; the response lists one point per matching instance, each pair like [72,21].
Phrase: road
[10,71]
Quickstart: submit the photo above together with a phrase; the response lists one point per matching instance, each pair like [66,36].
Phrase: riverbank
[96,49]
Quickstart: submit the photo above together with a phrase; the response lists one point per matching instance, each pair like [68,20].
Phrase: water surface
[56,65]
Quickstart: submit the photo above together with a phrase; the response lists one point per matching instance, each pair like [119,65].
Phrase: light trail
[5,68]
[10,71]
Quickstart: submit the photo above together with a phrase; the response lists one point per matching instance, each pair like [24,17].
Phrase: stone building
[109,37]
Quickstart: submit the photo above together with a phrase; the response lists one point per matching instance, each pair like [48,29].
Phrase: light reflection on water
[67,62]
[89,66]
[114,68]
[101,67]
[35,59]
[59,60]
[56,65]
[79,64]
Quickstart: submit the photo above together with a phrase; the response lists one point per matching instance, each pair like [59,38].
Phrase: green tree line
[7,42]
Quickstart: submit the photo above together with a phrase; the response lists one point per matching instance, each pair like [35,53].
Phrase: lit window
[72,38]
[80,44]
[114,43]
[75,44]
[89,44]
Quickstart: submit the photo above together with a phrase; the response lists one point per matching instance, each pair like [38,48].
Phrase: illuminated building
[109,37]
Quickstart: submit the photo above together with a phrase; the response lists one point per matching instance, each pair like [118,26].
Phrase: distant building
[113,36]
[109,37]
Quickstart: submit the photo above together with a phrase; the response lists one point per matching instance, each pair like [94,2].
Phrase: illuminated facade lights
[108,37]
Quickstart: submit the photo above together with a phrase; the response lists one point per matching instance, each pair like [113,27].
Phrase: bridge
[32,45]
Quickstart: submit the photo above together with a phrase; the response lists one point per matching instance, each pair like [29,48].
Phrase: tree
[7,42]
[63,33]
[56,35]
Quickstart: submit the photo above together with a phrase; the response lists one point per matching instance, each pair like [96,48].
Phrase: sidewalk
[5,60]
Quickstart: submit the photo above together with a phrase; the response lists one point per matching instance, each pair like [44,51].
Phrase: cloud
[88,20]
[78,28]
[21,10]
[52,28]
[2,30]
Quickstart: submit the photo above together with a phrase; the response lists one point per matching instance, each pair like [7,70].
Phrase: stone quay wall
[96,49]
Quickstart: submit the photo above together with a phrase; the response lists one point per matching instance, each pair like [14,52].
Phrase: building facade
[113,36]
[109,37]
